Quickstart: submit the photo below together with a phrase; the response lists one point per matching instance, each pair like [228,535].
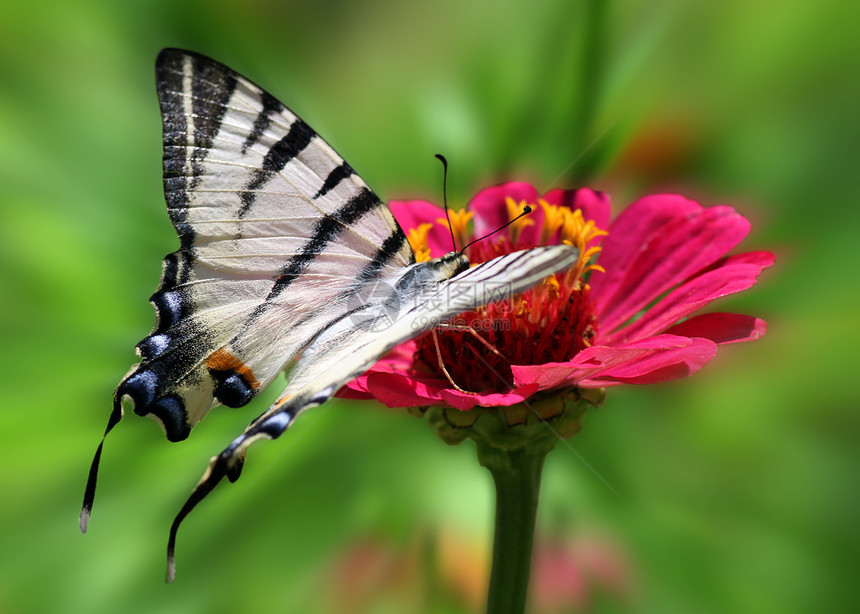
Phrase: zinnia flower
[623,315]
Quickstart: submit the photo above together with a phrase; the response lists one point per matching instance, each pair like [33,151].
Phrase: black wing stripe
[338,174]
[327,228]
[276,159]
[386,252]
[325,231]
[169,78]
[179,78]
[271,106]
[501,265]
[211,90]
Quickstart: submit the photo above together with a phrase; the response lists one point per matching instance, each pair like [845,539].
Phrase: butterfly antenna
[445,196]
[526,210]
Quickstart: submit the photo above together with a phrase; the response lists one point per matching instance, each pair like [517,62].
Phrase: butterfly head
[434,271]
[449,265]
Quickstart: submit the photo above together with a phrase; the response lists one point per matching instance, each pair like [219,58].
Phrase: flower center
[551,322]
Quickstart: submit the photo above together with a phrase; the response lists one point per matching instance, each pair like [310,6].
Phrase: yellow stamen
[514,209]
[418,240]
[553,218]
[551,287]
[459,225]
[577,231]
[573,230]
[523,309]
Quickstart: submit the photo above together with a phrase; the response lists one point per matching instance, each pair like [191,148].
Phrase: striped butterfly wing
[354,343]
[259,201]
[276,232]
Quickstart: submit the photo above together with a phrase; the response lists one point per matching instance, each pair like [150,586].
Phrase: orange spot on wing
[222,360]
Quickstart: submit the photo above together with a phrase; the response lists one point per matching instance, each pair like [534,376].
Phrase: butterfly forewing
[259,200]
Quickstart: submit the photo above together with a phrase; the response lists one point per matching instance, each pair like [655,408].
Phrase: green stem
[516,475]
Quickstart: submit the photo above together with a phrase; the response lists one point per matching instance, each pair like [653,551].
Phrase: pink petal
[734,274]
[606,366]
[547,376]
[398,390]
[721,328]
[401,390]
[654,244]
[356,390]
[491,211]
[587,363]
[399,360]
[761,259]
[657,366]
[465,401]
[412,213]
[489,206]
[631,229]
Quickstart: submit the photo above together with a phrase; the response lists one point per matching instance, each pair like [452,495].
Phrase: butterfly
[286,256]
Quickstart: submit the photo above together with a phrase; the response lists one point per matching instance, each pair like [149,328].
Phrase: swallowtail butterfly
[285,256]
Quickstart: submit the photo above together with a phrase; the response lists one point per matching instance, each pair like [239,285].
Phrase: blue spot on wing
[231,389]
[142,387]
[153,346]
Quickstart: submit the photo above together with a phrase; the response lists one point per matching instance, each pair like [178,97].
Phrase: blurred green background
[738,488]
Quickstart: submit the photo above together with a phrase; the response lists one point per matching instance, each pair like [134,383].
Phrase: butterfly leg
[442,364]
[474,333]
[485,343]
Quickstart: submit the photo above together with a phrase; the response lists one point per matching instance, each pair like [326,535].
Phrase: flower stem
[516,475]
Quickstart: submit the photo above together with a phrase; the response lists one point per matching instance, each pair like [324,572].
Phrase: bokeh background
[737,489]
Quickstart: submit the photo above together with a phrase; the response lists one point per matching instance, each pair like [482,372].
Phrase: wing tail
[92,477]
[230,461]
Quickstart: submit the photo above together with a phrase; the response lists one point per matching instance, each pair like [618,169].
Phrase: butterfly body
[285,256]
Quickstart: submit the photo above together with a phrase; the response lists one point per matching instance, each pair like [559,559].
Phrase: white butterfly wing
[275,229]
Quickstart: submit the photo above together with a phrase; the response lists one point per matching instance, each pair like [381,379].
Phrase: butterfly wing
[273,224]
[276,233]
[352,345]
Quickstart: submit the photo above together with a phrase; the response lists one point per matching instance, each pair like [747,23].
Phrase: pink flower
[628,319]
[568,574]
